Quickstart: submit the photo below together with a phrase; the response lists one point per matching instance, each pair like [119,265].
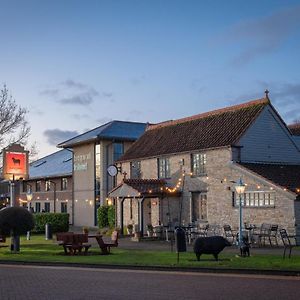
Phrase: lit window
[64,184]
[256,199]
[47,186]
[199,164]
[164,168]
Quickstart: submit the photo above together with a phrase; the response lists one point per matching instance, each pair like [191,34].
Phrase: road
[39,282]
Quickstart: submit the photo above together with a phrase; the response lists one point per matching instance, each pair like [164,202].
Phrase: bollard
[48,232]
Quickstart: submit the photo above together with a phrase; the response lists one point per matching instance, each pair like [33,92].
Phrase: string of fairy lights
[177,187]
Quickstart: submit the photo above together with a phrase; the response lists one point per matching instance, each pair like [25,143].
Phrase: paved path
[35,282]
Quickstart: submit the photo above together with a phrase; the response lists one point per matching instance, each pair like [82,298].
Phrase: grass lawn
[40,250]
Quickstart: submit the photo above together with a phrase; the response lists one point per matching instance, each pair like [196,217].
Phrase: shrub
[106,216]
[102,216]
[59,222]
[111,216]
[15,220]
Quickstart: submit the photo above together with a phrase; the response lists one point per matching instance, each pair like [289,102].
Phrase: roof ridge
[264,100]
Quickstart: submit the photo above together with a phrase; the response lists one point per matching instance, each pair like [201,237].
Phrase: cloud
[70,92]
[56,136]
[79,116]
[83,99]
[263,35]
[285,96]
[73,84]
[138,80]
[50,92]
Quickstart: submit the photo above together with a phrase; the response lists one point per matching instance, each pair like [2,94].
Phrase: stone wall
[217,184]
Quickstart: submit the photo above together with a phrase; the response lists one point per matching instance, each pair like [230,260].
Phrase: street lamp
[240,189]
[29,196]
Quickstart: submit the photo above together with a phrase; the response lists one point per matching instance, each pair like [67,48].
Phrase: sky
[76,65]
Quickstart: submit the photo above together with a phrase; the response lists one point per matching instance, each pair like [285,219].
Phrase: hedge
[59,222]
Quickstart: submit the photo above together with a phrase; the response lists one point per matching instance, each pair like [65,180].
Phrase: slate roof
[53,165]
[222,127]
[286,176]
[119,130]
[295,129]
[146,186]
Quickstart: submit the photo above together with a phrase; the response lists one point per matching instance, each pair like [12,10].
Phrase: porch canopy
[140,189]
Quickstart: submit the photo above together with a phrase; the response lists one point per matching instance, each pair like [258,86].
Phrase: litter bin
[48,231]
[180,240]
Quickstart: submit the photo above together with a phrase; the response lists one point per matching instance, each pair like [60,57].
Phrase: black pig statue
[210,245]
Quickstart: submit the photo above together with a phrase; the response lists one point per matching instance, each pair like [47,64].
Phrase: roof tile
[213,129]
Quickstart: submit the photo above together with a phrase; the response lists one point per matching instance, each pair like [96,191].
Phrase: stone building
[185,170]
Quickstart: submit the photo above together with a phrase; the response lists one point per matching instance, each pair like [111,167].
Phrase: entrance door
[199,212]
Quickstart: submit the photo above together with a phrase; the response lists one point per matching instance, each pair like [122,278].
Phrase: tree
[14,127]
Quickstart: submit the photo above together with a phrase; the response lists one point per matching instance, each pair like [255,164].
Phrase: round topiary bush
[15,220]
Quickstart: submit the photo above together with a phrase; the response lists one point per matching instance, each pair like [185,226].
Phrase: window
[37,207]
[198,164]
[38,185]
[135,170]
[164,168]
[47,207]
[64,184]
[255,199]
[118,150]
[199,201]
[47,186]
[64,207]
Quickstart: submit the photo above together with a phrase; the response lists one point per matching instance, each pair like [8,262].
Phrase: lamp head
[240,187]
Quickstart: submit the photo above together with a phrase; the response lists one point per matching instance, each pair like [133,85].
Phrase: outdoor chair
[202,230]
[105,247]
[229,233]
[273,234]
[289,241]
[263,234]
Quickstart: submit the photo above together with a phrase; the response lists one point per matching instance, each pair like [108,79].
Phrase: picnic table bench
[73,243]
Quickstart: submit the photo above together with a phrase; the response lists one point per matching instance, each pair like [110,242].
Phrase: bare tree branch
[14,127]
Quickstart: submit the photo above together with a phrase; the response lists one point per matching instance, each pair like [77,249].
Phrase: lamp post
[240,189]
[29,196]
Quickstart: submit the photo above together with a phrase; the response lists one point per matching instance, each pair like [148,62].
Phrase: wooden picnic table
[73,243]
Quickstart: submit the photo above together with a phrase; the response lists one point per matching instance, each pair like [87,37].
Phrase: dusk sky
[78,64]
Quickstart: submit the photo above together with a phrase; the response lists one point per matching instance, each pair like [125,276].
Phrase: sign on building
[15,162]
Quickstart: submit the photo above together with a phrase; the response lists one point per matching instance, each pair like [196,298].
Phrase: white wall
[268,140]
